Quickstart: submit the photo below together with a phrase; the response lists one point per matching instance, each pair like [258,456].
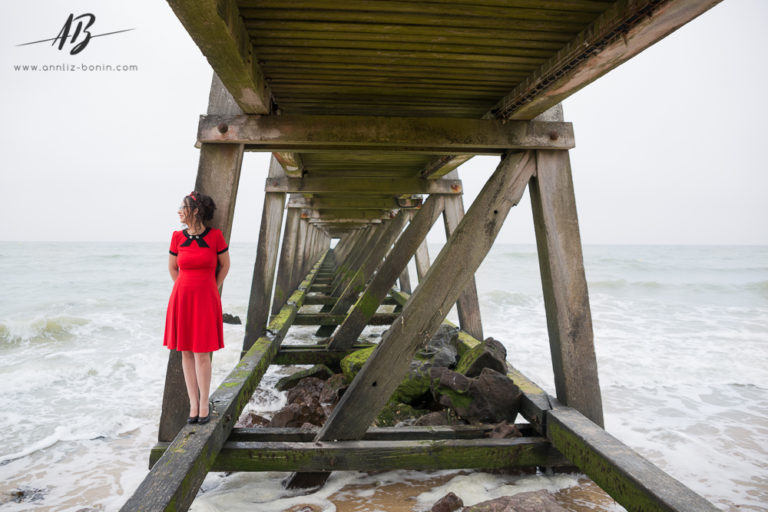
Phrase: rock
[441,349]
[304,405]
[437,418]
[490,398]
[488,354]
[504,430]
[231,319]
[333,389]
[415,385]
[320,371]
[353,362]
[307,389]
[534,501]
[447,503]
[251,420]
[394,413]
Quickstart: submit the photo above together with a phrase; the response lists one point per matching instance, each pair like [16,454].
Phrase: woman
[198,264]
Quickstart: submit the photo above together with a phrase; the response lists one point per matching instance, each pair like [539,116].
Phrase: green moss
[415,385]
[468,358]
[395,412]
[353,363]
[367,305]
[459,401]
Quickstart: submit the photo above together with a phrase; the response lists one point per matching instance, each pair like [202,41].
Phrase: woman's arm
[223,268]
[173,267]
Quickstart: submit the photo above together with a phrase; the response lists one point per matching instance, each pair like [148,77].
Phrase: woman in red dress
[198,264]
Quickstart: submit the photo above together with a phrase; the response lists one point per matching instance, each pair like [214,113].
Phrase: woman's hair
[204,204]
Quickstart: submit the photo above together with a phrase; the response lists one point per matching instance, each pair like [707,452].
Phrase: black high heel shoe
[193,419]
[202,420]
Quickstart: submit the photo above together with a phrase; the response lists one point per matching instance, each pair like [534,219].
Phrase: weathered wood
[363,186]
[266,259]
[218,175]
[313,354]
[219,32]
[427,308]
[407,433]
[566,300]
[629,478]
[287,255]
[422,260]
[291,162]
[405,280]
[384,279]
[359,133]
[344,203]
[328,299]
[467,306]
[624,30]
[332,320]
[301,242]
[387,455]
[174,479]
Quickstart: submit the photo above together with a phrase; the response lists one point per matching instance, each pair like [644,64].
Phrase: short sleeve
[174,244]
[220,243]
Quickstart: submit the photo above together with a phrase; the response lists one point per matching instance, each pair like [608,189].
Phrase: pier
[368,109]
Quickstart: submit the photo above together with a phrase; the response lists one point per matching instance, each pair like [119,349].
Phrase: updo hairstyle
[204,204]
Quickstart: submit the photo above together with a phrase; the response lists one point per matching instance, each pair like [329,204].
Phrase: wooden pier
[368,108]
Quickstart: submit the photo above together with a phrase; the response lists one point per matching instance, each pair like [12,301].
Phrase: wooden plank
[330,319]
[266,259]
[175,478]
[564,284]
[366,305]
[328,299]
[363,186]
[414,134]
[218,175]
[427,307]
[405,280]
[218,30]
[420,455]
[343,203]
[624,30]
[312,354]
[422,260]
[291,162]
[287,255]
[467,305]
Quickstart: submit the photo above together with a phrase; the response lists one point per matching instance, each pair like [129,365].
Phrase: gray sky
[668,145]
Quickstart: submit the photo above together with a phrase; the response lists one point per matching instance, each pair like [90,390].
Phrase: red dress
[193,321]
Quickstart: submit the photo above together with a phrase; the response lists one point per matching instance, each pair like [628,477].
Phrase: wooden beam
[312,354]
[330,319]
[363,186]
[405,280]
[420,455]
[218,30]
[266,259]
[564,284]
[397,259]
[343,203]
[422,260]
[429,135]
[621,32]
[284,280]
[174,480]
[427,308]
[218,175]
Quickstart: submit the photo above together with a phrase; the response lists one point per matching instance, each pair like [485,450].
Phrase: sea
[681,336]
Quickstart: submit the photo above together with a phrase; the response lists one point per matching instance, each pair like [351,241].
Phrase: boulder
[251,420]
[303,407]
[504,430]
[320,371]
[447,503]
[490,398]
[438,418]
[395,412]
[231,319]
[333,389]
[353,362]
[488,354]
[442,348]
[415,385]
[534,501]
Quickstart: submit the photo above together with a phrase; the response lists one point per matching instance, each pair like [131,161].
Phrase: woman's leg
[203,368]
[190,379]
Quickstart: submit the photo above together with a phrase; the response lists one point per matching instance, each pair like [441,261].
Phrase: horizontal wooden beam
[341,214]
[387,455]
[327,299]
[317,354]
[328,319]
[352,203]
[621,32]
[218,30]
[290,162]
[360,133]
[363,186]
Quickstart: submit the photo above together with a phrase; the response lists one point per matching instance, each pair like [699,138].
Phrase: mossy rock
[353,363]
[415,385]
[320,371]
[488,354]
[397,412]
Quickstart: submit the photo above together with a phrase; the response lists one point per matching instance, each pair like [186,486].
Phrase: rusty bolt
[553,136]
[456,187]
[223,127]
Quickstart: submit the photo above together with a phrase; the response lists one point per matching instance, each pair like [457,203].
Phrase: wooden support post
[569,321]
[426,309]
[299,261]
[355,259]
[405,280]
[467,305]
[218,175]
[382,282]
[422,260]
[371,259]
[287,255]
[266,258]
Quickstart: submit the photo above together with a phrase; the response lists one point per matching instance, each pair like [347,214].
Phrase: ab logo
[80,33]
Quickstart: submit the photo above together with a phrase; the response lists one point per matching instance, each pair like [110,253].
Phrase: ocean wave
[40,329]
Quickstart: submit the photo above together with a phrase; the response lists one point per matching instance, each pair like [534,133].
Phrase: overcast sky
[669,145]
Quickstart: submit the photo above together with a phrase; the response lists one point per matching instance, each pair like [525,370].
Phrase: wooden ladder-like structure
[376,172]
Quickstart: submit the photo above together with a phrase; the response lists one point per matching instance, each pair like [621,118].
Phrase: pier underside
[368,109]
